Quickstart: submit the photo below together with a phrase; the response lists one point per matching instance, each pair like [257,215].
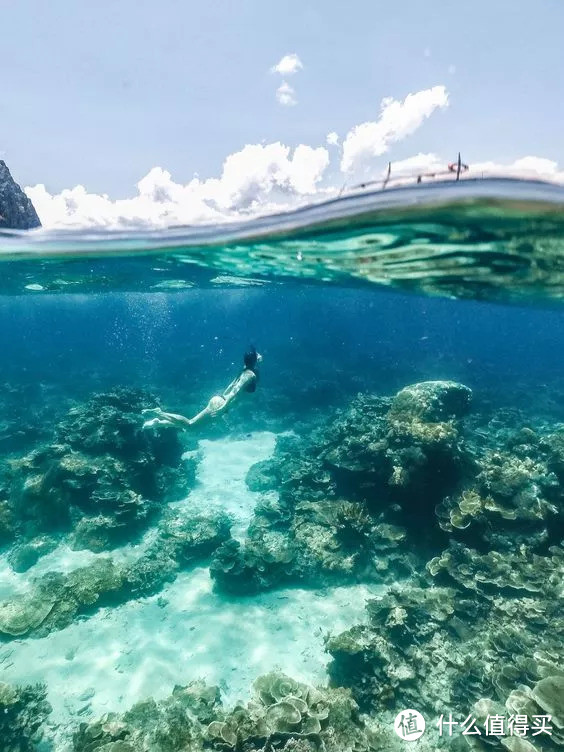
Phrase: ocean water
[376,530]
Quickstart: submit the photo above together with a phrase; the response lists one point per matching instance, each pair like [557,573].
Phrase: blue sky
[100,93]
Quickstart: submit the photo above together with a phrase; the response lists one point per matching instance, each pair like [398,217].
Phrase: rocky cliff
[16,210]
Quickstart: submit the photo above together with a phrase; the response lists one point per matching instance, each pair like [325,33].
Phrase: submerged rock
[16,210]
[24,556]
[432,401]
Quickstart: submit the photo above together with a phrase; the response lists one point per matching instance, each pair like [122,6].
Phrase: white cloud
[286,95]
[332,139]
[158,203]
[288,65]
[255,180]
[258,173]
[525,168]
[418,165]
[397,120]
[258,179]
[532,168]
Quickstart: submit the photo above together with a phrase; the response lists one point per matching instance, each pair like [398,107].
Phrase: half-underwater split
[296,485]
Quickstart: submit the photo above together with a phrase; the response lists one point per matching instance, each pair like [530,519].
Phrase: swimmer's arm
[230,387]
[235,387]
[237,384]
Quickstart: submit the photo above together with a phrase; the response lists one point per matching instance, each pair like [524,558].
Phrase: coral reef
[180,542]
[431,402]
[439,650]
[322,543]
[101,476]
[409,454]
[530,709]
[57,599]
[390,485]
[7,528]
[176,724]
[22,713]
[523,571]
[515,499]
[283,715]
[457,514]
[353,495]
[481,626]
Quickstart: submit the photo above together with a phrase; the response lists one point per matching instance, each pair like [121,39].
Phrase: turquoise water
[375,529]
[479,239]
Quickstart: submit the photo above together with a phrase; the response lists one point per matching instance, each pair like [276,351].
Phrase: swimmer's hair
[250,358]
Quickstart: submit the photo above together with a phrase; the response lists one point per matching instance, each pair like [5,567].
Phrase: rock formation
[16,210]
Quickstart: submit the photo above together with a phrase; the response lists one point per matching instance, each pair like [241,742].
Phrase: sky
[193,111]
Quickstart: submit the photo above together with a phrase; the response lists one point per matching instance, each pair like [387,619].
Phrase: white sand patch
[143,648]
[221,474]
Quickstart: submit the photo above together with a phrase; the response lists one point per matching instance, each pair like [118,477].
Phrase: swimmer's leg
[152,411]
[215,406]
[153,422]
[165,419]
[200,416]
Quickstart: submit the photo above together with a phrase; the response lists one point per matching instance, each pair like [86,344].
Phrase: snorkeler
[245,382]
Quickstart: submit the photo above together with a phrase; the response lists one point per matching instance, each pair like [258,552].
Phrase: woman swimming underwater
[246,381]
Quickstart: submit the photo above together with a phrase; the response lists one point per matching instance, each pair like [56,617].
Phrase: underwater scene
[291,485]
